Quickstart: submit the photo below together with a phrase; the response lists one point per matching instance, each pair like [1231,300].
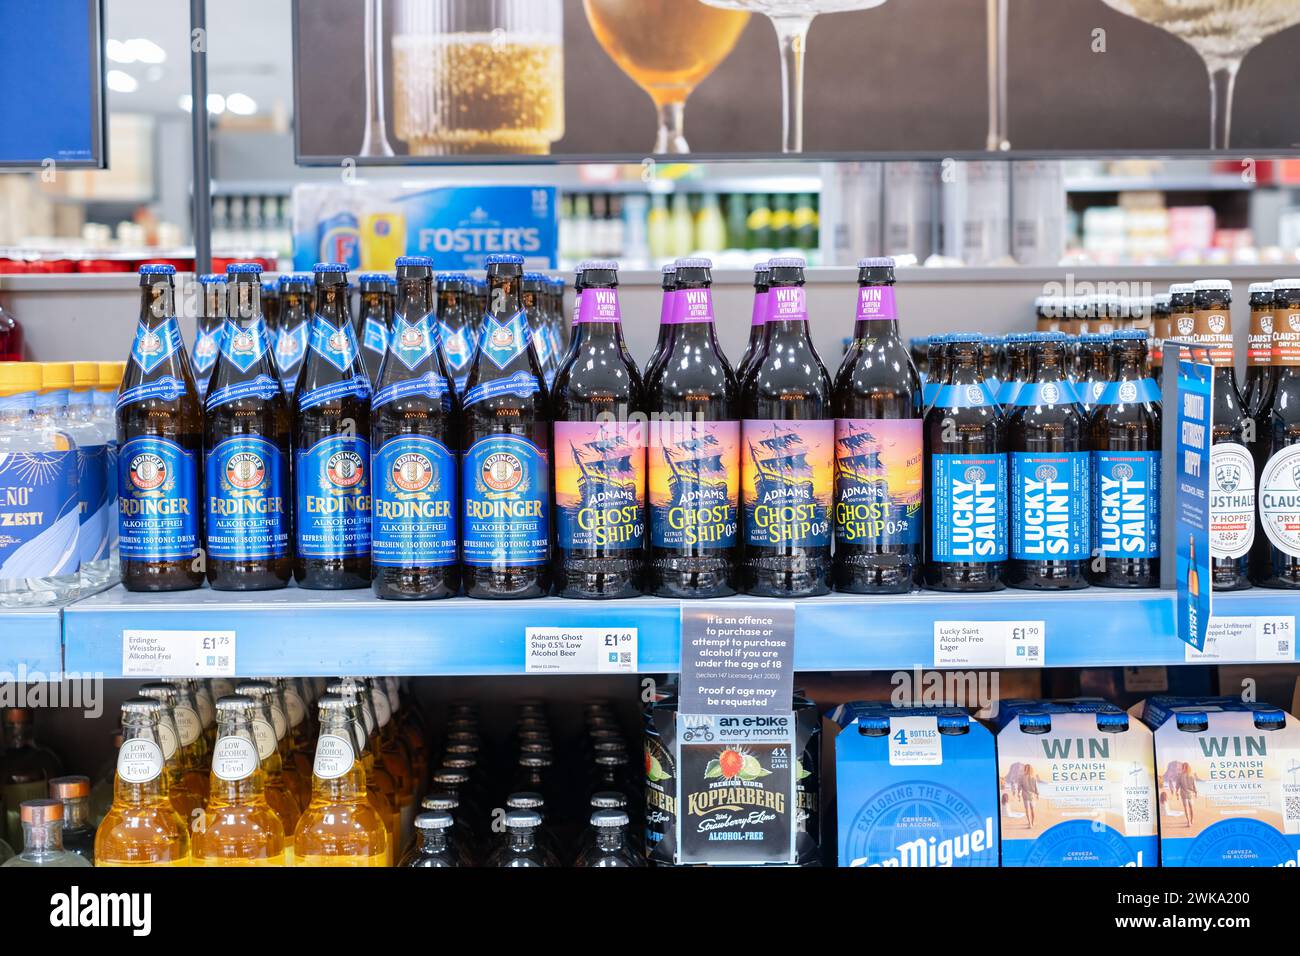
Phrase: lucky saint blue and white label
[207,346]
[338,346]
[1049,506]
[153,346]
[290,348]
[501,342]
[333,497]
[413,342]
[244,346]
[505,489]
[967,395]
[1128,392]
[157,500]
[1126,494]
[414,519]
[39,514]
[1040,394]
[247,482]
[93,502]
[968,508]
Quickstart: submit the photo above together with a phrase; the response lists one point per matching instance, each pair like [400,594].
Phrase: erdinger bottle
[1277,550]
[246,440]
[1232,467]
[211,321]
[374,319]
[878,447]
[414,414]
[788,450]
[600,460]
[295,323]
[965,479]
[1256,390]
[694,454]
[758,319]
[160,441]
[332,446]
[1124,436]
[455,325]
[505,468]
[1049,462]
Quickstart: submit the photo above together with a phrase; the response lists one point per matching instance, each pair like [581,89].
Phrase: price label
[580,650]
[1253,639]
[149,653]
[989,643]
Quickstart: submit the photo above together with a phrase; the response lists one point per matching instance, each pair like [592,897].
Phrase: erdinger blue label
[413,342]
[93,502]
[1049,505]
[458,350]
[333,480]
[244,347]
[338,346]
[153,346]
[969,507]
[374,338]
[1126,490]
[503,342]
[157,500]
[207,345]
[290,349]
[507,500]
[247,483]
[413,524]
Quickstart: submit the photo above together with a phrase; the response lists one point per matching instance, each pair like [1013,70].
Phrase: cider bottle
[141,827]
[340,827]
[239,826]
[280,796]
[187,786]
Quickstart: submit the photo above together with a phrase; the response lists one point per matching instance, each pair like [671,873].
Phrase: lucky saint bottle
[1096,372]
[787,450]
[160,447]
[878,447]
[211,320]
[1232,467]
[1277,558]
[600,457]
[758,318]
[1260,373]
[936,364]
[374,319]
[1019,371]
[505,468]
[332,446]
[414,414]
[965,479]
[1050,473]
[694,453]
[295,323]
[1124,435]
[1159,332]
[247,436]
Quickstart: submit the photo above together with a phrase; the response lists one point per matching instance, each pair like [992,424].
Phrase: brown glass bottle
[160,448]
[1276,558]
[1257,388]
[25,769]
[211,320]
[374,321]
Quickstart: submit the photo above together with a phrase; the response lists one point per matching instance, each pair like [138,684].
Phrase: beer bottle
[531,291]
[1182,319]
[1094,349]
[374,319]
[1279,436]
[506,429]
[694,455]
[414,414]
[1257,388]
[455,326]
[1019,370]
[1232,467]
[331,446]
[247,435]
[295,321]
[600,460]
[1046,435]
[788,449]
[916,347]
[160,444]
[878,447]
[1124,435]
[668,285]
[754,346]
[211,321]
[271,307]
[965,478]
[936,363]
[1159,332]
[990,366]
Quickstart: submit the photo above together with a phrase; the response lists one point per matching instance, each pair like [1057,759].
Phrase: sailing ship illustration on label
[878,481]
[694,484]
[787,468]
[600,485]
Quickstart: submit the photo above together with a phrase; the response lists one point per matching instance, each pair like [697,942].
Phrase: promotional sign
[1192,498]
[368,226]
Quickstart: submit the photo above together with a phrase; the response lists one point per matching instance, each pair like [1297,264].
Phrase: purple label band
[666,309]
[876,302]
[760,309]
[598,305]
[691,305]
[787,304]
[577,307]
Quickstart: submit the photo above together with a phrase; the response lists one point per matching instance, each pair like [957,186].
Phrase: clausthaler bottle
[600,451]
[505,468]
[160,442]
[965,479]
[1160,323]
[295,323]
[247,436]
[1260,374]
[1050,475]
[332,446]
[878,447]
[1276,561]
[1232,467]
[414,414]
[694,454]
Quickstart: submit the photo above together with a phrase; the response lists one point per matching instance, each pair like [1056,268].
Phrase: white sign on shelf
[580,650]
[153,653]
[1254,639]
[989,643]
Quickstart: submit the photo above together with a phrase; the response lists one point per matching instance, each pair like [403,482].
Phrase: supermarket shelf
[30,640]
[325,633]
[1208,182]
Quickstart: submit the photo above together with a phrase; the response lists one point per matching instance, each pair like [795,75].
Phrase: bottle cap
[38,812]
[1112,719]
[423,261]
[1190,718]
[1261,288]
[1287,284]
[19,377]
[141,707]
[534,760]
[1016,338]
[1094,338]
[787,262]
[270,287]
[1034,718]
[1160,300]
[435,820]
[873,722]
[696,262]
[301,281]
[213,278]
[611,760]
[608,800]
[1057,338]
[56,375]
[69,787]
[876,262]
[1212,285]
[528,800]
[1268,714]
[940,338]
[372,278]
[1181,288]
[523,819]
[453,778]
[953,721]
[157,269]
[503,258]
[159,690]
[607,819]
[244,268]
[1128,335]
[237,704]
[440,801]
[965,338]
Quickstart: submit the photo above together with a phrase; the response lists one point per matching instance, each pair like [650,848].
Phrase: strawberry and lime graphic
[733,764]
[654,771]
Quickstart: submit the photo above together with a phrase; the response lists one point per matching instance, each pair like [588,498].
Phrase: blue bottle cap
[210,278]
[940,338]
[157,269]
[504,258]
[876,262]
[965,338]
[1035,718]
[270,285]
[1128,335]
[243,267]
[1021,337]
[294,277]
[413,261]
[372,277]
[1112,719]
[951,721]
[1059,338]
[329,267]
[873,722]
[1094,338]
[1190,718]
